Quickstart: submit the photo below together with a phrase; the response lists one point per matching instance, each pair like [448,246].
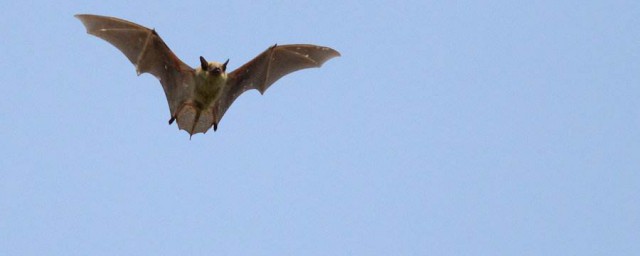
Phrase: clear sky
[446,128]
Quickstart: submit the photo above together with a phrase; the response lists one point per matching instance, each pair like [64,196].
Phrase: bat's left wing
[269,66]
[148,52]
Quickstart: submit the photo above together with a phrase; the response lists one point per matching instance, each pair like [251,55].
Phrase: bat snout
[215,72]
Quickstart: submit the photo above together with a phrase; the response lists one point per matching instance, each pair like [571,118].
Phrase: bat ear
[224,66]
[203,63]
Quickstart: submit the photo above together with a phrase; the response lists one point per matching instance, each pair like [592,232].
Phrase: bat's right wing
[146,50]
[269,66]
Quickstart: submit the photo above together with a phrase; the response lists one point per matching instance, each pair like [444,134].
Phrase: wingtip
[334,52]
[80,16]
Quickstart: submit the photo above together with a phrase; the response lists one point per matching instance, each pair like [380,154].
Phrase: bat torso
[208,88]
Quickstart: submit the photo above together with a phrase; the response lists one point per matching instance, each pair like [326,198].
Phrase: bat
[198,98]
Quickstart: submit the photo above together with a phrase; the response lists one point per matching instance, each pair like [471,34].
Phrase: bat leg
[193,127]
[175,115]
[215,120]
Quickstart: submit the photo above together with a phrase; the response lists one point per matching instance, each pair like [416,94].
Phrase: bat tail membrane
[193,119]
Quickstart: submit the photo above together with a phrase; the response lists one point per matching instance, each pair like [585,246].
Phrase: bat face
[198,98]
[212,69]
[211,80]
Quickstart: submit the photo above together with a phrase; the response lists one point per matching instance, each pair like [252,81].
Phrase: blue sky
[446,128]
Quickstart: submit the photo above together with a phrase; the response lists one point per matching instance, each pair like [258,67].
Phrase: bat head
[213,68]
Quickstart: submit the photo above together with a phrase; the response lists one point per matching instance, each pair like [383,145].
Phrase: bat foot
[173,118]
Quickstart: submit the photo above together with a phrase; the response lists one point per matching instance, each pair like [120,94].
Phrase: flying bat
[198,98]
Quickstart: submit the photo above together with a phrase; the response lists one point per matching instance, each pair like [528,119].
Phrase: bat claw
[173,118]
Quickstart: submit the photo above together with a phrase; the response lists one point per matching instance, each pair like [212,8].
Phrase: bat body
[198,98]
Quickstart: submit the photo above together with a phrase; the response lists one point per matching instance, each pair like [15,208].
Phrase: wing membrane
[147,51]
[269,66]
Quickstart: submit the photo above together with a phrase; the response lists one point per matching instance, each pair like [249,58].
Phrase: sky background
[446,128]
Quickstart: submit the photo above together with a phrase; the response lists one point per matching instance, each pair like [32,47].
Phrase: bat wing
[146,50]
[266,68]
